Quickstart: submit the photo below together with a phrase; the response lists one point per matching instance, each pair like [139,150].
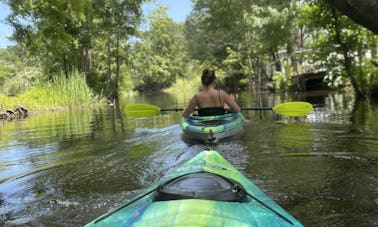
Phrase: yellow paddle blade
[141,110]
[293,109]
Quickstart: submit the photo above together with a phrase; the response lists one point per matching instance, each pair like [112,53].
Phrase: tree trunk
[116,82]
[86,60]
[109,72]
[250,70]
[347,59]
[276,60]
[258,71]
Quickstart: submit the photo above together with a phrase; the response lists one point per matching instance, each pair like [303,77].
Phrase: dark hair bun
[208,76]
[206,71]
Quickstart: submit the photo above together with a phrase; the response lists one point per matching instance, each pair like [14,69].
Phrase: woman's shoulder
[222,92]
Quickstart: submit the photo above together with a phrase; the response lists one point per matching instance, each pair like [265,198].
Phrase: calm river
[66,168]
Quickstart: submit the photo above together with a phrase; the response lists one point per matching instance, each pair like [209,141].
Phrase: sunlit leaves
[338,42]
[249,31]
[62,34]
[158,57]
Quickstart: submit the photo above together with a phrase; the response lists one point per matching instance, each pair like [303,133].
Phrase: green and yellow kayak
[212,129]
[205,191]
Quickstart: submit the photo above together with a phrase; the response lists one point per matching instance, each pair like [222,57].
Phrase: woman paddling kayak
[210,101]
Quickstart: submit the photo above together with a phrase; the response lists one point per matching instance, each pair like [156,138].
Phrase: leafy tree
[158,56]
[15,75]
[239,37]
[337,41]
[117,23]
[8,65]
[49,31]
[68,35]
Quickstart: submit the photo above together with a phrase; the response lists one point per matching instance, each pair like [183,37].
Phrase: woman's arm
[230,103]
[190,107]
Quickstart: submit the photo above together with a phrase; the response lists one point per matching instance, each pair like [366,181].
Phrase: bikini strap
[220,100]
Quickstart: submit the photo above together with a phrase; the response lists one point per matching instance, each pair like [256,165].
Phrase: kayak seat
[210,123]
[201,186]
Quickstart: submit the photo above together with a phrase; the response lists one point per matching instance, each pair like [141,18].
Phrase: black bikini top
[211,111]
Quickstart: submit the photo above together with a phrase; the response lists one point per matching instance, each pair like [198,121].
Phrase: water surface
[66,168]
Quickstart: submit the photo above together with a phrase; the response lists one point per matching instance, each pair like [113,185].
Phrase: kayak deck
[256,210]
[212,129]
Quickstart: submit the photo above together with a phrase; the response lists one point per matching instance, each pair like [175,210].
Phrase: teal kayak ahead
[212,129]
[205,191]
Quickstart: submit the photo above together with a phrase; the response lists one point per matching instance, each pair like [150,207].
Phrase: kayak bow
[205,191]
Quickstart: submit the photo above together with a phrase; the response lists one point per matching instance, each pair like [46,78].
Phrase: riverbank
[59,94]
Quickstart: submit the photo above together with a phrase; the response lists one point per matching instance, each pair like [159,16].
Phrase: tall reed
[62,92]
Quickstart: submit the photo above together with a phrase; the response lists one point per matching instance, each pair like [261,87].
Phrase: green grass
[61,93]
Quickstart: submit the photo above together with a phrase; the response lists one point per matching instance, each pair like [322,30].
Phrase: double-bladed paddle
[293,109]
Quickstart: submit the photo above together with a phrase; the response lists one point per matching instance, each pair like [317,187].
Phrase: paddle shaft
[293,109]
[243,108]
[256,108]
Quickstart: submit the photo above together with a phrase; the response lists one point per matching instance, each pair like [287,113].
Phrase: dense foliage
[158,57]
[256,44]
[68,35]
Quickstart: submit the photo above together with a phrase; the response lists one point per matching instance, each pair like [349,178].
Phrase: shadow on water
[66,168]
